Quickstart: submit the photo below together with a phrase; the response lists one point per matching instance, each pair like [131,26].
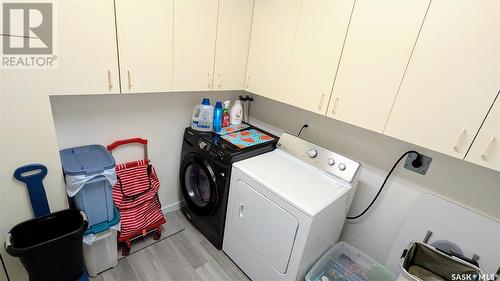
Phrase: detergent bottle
[236,113]
[218,117]
[203,116]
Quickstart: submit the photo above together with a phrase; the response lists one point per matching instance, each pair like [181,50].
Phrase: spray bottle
[225,114]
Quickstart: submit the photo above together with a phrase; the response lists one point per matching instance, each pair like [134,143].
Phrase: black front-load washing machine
[205,174]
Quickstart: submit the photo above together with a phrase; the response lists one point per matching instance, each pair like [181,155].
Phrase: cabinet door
[318,44]
[195,24]
[377,49]
[452,79]
[145,44]
[485,149]
[233,38]
[271,45]
[87,62]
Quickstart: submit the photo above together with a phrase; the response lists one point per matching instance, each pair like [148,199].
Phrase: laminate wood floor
[187,255]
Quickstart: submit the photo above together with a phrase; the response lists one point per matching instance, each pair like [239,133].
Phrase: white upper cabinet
[318,44]
[271,46]
[485,149]
[233,38]
[145,34]
[452,79]
[195,24]
[85,42]
[378,46]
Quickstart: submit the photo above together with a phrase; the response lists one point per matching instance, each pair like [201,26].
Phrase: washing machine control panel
[212,150]
[320,157]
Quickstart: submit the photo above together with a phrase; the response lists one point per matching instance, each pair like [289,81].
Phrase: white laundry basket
[343,262]
[102,254]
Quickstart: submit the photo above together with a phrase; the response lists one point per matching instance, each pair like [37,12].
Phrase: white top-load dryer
[286,208]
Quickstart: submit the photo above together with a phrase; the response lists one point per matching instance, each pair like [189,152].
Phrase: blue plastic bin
[95,198]
[103,226]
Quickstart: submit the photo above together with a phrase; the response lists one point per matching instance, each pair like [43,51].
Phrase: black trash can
[50,247]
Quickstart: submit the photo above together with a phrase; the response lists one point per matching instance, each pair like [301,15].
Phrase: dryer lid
[298,183]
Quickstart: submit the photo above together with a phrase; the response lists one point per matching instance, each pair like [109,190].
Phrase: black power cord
[300,131]
[416,163]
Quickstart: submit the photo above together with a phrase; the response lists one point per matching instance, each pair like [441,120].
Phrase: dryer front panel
[266,227]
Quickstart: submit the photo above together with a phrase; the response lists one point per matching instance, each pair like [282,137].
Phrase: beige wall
[28,136]
[467,184]
[2,275]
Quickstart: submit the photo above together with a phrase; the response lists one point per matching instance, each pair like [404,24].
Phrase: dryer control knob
[341,166]
[312,153]
[202,145]
[331,161]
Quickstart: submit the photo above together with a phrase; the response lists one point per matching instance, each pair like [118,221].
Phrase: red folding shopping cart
[136,196]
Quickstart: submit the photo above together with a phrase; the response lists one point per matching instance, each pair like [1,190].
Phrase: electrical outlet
[416,166]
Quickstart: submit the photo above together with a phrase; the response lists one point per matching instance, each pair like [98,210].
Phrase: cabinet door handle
[242,207]
[321,100]
[209,84]
[248,82]
[459,139]
[110,82]
[219,84]
[334,105]
[487,148]
[129,76]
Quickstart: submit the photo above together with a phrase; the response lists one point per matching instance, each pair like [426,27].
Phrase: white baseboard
[172,207]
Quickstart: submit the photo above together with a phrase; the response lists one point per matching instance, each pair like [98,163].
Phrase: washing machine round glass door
[199,185]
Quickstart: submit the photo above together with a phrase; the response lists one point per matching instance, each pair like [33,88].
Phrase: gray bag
[421,261]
